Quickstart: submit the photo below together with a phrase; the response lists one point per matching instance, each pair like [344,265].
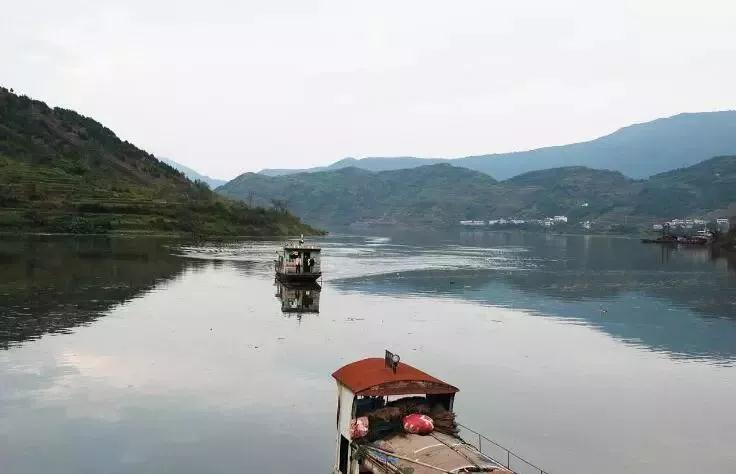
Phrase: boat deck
[430,454]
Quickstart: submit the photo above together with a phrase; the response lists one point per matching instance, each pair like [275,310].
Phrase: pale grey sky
[227,86]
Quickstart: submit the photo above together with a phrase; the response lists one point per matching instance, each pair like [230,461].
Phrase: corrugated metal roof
[312,248]
[372,377]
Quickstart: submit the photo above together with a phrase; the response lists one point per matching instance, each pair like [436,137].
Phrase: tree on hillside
[280,205]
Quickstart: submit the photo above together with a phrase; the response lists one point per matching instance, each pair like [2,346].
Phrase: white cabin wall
[347,400]
[345,407]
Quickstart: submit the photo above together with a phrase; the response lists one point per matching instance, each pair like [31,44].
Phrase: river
[581,353]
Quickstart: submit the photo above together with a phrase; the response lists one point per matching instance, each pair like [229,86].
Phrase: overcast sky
[232,86]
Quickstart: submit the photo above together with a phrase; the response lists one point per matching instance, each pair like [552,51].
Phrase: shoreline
[156,235]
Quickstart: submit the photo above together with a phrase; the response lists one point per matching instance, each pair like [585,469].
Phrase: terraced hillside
[63,172]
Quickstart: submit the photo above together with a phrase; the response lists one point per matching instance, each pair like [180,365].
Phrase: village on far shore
[684,226]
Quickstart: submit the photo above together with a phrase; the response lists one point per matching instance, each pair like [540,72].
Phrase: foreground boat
[298,262]
[383,405]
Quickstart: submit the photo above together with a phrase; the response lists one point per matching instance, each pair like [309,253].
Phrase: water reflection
[50,285]
[666,299]
[681,301]
[193,368]
[298,298]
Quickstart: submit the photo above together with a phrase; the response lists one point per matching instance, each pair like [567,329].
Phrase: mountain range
[637,151]
[63,172]
[442,194]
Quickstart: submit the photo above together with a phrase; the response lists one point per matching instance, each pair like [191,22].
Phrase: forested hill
[442,194]
[428,194]
[63,172]
[692,190]
[638,151]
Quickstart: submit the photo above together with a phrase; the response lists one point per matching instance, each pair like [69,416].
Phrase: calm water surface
[585,354]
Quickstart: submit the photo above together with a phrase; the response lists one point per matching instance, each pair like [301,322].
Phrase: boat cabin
[375,397]
[298,262]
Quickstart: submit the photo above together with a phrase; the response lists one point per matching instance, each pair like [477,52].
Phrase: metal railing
[501,455]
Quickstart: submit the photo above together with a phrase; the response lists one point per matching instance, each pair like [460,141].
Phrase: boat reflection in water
[298,298]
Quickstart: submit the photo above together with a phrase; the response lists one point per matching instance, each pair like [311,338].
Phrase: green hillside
[63,172]
[442,194]
[700,188]
[429,194]
[576,191]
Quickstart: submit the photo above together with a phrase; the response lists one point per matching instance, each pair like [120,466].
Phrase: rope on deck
[413,461]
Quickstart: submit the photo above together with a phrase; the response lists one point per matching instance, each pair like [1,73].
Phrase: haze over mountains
[442,194]
[644,172]
[194,175]
[637,151]
[63,172]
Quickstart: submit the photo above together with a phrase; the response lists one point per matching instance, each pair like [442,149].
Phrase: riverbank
[212,221]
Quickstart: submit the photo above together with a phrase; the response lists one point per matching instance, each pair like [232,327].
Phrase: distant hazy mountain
[443,194]
[193,175]
[368,164]
[637,151]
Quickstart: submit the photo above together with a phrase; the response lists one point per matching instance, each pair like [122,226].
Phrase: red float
[418,424]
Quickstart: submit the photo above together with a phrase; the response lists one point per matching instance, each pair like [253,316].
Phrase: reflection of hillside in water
[680,301]
[51,285]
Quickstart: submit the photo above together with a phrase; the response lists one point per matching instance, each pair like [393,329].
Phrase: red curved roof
[372,377]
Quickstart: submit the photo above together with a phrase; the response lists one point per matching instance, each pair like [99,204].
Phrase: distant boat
[703,237]
[661,240]
[694,240]
[298,262]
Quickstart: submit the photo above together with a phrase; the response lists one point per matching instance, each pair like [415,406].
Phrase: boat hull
[658,241]
[695,241]
[298,277]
